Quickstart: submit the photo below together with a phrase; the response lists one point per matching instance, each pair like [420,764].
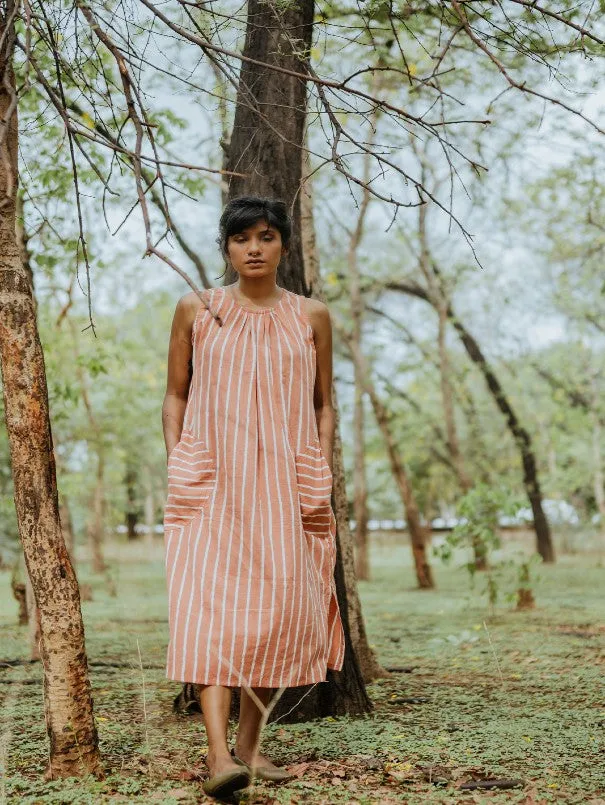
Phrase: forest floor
[498,694]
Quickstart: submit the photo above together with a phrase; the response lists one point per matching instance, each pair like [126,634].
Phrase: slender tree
[520,434]
[67,694]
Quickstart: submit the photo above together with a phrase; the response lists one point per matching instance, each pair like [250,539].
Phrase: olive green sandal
[227,783]
[264,772]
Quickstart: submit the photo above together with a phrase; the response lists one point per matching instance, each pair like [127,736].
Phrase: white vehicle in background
[558,512]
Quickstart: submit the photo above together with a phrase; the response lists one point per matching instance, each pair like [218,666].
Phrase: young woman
[250,534]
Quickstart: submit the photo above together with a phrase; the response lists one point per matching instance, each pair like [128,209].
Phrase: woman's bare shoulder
[187,307]
[317,312]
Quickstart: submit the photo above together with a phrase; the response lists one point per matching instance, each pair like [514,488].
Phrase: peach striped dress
[250,534]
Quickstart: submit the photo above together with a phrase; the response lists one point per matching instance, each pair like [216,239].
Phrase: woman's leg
[247,740]
[216,702]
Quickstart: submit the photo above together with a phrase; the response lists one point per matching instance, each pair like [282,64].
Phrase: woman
[249,528]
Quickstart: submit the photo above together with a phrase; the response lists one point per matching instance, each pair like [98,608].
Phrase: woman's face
[257,250]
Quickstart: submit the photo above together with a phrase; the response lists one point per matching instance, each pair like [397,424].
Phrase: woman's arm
[319,317]
[178,380]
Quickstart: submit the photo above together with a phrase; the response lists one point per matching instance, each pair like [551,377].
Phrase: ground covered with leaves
[485,693]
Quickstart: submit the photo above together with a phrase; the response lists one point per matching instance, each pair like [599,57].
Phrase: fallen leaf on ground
[298,769]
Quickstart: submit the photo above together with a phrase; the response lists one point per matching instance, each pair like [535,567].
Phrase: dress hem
[254,684]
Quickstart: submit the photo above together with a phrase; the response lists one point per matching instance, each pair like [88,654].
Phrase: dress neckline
[255,309]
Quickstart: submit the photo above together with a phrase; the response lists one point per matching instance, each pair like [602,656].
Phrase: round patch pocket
[191,479]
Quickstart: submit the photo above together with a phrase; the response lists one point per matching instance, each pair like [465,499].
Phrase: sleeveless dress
[249,530]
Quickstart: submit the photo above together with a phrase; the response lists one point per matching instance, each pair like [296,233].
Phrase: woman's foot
[219,762]
[245,753]
[263,769]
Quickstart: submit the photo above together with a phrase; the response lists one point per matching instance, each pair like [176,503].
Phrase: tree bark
[67,694]
[544,545]
[268,127]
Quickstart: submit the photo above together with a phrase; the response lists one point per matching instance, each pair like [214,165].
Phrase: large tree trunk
[33,619]
[269,121]
[544,545]
[67,694]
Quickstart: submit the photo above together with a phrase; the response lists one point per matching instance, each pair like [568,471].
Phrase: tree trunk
[360,487]
[521,437]
[96,523]
[597,457]
[67,694]
[132,506]
[269,121]
[33,620]
[439,302]
[419,535]
[356,631]
[447,397]
[18,588]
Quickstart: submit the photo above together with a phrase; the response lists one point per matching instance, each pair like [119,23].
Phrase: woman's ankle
[221,753]
[242,748]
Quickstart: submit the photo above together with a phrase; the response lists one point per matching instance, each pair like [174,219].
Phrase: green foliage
[478,512]
[477,531]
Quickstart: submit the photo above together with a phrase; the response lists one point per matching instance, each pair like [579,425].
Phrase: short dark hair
[245,211]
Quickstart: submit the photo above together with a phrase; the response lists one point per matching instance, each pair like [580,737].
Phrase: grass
[499,693]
